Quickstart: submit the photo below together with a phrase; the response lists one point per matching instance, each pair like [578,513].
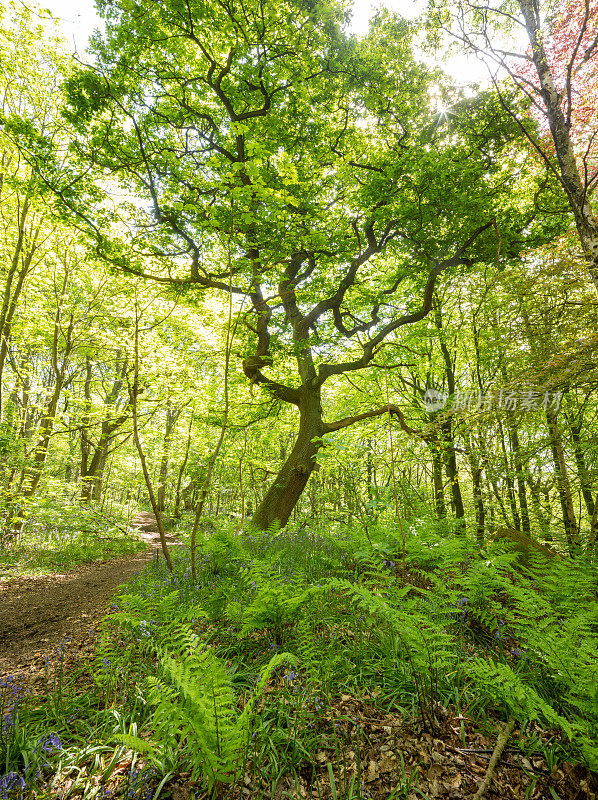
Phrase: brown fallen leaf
[372,772]
[386,763]
[122,766]
[454,782]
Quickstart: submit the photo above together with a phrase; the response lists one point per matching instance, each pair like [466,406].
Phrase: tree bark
[537,505]
[134,394]
[519,475]
[172,415]
[241,488]
[563,483]
[452,473]
[509,480]
[85,443]
[582,468]
[34,470]
[178,495]
[11,296]
[284,492]
[593,528]
[448,438]
[93,456]
[369,470]
[286,489]
[569,172]
[478,498]
[439,501]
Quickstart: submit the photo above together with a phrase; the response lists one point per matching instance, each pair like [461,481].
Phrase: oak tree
[269,155]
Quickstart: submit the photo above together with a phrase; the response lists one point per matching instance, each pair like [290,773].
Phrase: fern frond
[195,705]
[135,743]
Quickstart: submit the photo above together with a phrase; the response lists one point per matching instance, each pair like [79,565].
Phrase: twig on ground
[481,750]
[500,746]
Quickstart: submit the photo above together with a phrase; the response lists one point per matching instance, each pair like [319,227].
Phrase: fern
[424,644]
[500,681]
[135,743]
[196,707]
[275,605]
[417,630]
[552,616]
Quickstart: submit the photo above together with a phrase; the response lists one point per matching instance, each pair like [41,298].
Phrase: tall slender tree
[557,74]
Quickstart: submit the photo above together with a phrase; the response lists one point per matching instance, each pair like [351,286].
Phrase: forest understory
[298,401]
[356,698]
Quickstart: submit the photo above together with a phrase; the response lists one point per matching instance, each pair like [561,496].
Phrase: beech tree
[305,172]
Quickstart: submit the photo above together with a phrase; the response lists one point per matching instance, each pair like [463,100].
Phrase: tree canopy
[311,174]
[338,190]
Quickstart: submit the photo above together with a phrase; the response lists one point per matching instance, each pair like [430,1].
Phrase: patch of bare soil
[38,614]
[145,523]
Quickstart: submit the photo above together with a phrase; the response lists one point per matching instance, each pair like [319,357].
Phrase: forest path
[37,614]
[145,523]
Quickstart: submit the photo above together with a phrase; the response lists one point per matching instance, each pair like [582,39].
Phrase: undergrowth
[60,536]
[244,672]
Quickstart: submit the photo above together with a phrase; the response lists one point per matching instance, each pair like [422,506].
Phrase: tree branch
[251,368]
[369,347]
[390,408]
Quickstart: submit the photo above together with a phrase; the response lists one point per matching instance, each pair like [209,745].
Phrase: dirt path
[37,614]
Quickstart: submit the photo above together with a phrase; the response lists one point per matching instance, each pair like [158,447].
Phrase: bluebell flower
[7,722]
[50,742]
[498,631]
[9,782]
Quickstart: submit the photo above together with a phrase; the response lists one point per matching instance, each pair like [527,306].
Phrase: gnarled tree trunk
[286,489]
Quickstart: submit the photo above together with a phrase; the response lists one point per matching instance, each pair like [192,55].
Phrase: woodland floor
[37,614]
[53,618]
